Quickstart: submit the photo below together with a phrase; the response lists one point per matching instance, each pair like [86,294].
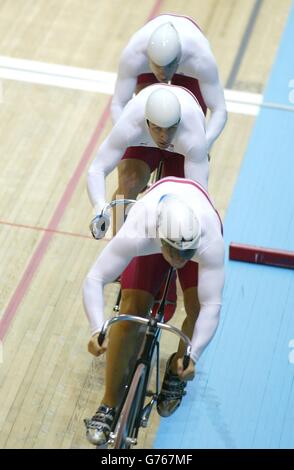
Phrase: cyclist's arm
[125,85]
[210,286]
[108,156]
[110,264]
[213,95]
[196,161]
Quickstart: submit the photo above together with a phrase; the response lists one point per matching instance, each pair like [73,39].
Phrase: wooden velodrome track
[48,381]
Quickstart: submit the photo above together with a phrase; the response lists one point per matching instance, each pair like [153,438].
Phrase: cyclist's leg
[192,308]
[124,343]
[188,277]
[134,172]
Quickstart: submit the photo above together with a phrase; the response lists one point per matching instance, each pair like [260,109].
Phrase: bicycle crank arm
[147,411]
[131,441]
[128,440]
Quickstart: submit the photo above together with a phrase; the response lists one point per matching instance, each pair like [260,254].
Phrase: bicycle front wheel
[129,420]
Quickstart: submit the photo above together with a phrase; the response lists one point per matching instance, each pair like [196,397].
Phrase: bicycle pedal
[131,441]
[111,439]
[144,422]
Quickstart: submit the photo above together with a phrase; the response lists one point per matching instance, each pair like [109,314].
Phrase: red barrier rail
[260,255]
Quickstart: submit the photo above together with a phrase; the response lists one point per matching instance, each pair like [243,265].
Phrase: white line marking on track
[103,82]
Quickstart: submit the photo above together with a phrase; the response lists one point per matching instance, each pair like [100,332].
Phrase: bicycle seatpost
[167,284]
[159,171]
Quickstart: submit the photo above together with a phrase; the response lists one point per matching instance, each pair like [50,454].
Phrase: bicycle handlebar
[145,321]
[116,202]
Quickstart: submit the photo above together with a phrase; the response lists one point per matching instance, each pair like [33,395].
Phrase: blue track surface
[243,396]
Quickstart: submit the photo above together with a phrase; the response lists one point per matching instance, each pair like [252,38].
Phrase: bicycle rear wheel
[128,422]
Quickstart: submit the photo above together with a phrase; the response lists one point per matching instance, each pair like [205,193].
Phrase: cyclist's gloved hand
[99,225]
[187,374]
[94,348]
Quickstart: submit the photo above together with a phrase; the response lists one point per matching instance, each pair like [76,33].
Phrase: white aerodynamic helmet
[177,223]
[163,108]
[164,45]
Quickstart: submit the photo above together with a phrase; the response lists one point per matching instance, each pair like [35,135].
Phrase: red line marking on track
[155,10]
[44,229]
